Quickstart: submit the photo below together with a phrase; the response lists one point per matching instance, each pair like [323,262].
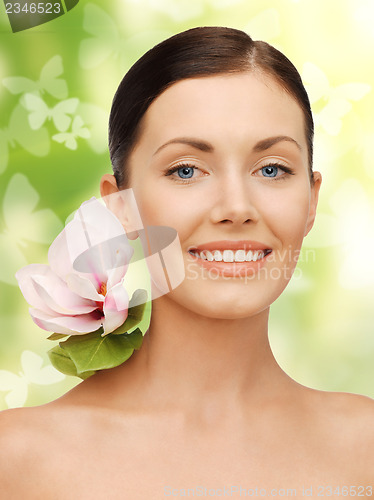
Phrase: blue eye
[270,170]
[276,171]
[185,172]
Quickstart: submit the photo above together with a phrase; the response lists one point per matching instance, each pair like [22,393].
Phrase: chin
[219,306]
[225,298]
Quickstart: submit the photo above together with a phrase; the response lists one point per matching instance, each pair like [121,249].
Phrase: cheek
[168,208]
[286,213]
[162,249]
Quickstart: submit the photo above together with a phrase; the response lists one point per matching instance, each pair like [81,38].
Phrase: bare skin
[203,403]
[86,445]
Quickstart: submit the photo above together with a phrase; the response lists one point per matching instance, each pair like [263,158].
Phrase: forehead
[229,108]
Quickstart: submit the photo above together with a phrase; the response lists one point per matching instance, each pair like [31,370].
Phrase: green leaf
[62,362]
[135,338]
[57,336]
[87,374]
[135,313]
[93,352]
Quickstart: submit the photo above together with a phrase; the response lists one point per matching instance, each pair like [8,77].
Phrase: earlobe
[116,204]
[313,201]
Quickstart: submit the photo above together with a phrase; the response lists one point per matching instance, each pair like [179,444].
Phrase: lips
[227,267]
[231,245]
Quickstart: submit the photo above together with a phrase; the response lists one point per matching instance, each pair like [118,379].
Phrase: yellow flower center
[103,289]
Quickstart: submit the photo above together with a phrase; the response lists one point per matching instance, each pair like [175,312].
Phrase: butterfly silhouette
[354,207]
[36,142]
[96,120]
[48,81]
[23,224]
[40,112]
[180,11]
[223,4]
[70,138]
[106,41]
[32,373]
[264,26]
[336,100]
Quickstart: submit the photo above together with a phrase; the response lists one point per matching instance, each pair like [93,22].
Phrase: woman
[213,133]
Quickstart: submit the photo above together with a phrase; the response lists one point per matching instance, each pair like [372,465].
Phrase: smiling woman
[214,135]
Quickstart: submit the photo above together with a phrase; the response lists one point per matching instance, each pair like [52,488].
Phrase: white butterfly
[106,41]
[33,373]
[264,26]
[336,101]
[36,142]
[96,120]
[354,207]
[367,154]
[223,4]
[70,138]
[48,81]
[40,112]
[178,11]
[23,224]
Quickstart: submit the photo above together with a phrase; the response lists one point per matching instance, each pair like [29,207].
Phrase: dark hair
[197,52]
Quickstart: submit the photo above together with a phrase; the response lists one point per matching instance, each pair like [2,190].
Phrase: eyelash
[170,171]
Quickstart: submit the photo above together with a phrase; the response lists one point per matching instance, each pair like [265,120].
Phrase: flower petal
[26,284]
[122,256]
[88,245]
[70,244]
[59,298]
[69,325]
[115,309]
[83,287]
[102,224]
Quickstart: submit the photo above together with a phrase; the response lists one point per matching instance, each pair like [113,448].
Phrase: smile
[231,258]
[240,255]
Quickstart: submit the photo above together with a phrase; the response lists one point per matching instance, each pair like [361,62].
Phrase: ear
[313,201]
[116,204]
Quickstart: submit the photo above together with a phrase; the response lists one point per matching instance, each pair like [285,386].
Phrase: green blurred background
[321,328]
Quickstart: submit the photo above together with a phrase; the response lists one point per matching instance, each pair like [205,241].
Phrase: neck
[198,364]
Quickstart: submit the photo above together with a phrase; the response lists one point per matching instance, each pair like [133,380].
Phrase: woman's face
[223,160]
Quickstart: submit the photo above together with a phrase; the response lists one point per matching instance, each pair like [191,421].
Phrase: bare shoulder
[20,437]
[348,420]
[358,424]
[351,413]
[17,426]
[352,410]
[37,440]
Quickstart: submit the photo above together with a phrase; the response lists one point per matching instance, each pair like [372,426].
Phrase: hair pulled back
[197,52]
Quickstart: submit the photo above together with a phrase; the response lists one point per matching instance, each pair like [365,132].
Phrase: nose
[234,202]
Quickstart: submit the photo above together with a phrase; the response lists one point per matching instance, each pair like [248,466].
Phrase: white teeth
[217,256]
[203,255]
[228,256]
[240,256]
[209,255]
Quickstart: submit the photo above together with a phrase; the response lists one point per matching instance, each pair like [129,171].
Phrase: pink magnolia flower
[82,288]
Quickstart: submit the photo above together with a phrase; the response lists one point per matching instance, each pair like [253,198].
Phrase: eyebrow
[206,147]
